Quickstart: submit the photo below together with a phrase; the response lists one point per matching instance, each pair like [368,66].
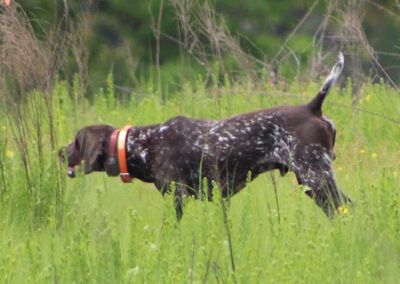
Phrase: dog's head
[91,146]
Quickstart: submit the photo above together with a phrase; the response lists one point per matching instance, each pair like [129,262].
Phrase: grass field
[94,229]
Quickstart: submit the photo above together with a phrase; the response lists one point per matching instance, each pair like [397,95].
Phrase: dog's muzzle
[71,172]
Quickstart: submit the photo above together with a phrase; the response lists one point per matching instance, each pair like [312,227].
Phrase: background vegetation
[59,73]
[122,35]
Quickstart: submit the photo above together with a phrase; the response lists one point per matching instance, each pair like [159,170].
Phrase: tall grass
[110,232]
[95,229]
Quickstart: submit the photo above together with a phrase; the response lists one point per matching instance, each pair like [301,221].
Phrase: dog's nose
[71,172]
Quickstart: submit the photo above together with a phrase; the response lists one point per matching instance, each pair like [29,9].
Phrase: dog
[187,151]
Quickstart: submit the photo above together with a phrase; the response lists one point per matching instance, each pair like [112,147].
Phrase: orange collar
[120,135]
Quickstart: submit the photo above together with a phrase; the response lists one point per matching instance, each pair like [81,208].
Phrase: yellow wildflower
[362,151]
[374,155]
[340,169]
[395,174]
[3,128]
[343,210]
[9,153]
[367,98]
[303,94]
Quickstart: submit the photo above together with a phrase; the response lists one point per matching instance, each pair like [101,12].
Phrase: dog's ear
[90,146]
[93,155]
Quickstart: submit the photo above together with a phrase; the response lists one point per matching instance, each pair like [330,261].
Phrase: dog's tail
[316,104]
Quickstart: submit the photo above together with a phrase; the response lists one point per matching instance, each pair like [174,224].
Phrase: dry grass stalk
[157,34]
[355,43]
[206,37]
[29,67]
[319,55]
[78,39]
[276,59]
[351,34]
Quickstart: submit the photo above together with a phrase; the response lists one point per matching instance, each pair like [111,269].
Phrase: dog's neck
[112,167]
[116,162]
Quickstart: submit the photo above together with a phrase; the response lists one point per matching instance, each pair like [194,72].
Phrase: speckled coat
[230,151]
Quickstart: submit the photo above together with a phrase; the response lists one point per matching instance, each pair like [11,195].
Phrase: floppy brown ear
[92,153]
[90,150]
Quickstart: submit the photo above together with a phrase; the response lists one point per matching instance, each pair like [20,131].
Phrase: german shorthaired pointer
[185,151]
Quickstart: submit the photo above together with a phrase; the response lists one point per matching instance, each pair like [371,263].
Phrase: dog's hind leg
[180,194]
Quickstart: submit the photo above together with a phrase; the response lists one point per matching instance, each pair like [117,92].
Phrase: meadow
[95,229]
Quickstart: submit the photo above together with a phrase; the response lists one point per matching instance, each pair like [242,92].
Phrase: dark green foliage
[121,33]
